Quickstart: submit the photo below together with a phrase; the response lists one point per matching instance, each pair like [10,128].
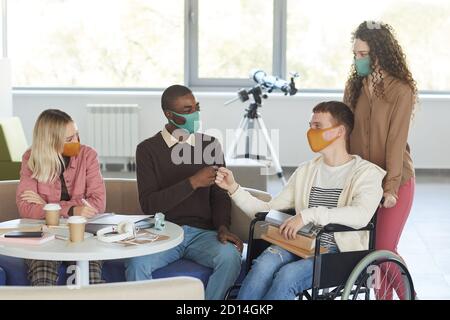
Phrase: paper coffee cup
[52,213]
[76,228]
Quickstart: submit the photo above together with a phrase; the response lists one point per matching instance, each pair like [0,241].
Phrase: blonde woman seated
[336,188]
[58,169]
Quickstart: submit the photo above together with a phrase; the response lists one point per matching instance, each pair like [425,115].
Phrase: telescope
[267,83]
[271,82]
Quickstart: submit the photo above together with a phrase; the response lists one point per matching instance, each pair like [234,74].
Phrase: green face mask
[362,66]
[192,123]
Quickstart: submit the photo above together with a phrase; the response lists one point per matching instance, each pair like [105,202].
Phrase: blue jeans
[277,274]
[200,246]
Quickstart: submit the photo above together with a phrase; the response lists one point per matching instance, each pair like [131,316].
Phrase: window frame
[192,48]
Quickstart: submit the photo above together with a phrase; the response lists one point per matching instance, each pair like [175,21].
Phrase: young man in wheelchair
[335,187]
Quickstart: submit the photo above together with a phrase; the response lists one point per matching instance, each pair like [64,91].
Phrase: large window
[319,38]
[210,43]
[234,36]
[96,43]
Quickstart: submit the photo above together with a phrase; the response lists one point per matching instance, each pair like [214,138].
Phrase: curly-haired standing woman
[58,169]
[382,93]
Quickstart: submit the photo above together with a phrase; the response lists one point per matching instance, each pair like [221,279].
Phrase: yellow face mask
[316,139]
[71,149]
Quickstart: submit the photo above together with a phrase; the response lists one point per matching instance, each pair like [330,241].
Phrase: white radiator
[113,132]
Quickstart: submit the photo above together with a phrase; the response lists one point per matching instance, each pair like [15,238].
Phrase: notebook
[33,241]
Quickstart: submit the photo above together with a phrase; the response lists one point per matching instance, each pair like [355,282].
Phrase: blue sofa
[122,197]
[13,271]
[2,277]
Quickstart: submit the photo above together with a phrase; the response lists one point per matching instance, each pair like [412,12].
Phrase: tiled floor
[425,242]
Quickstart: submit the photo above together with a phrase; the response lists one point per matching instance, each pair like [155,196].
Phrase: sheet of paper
[62,233]
[143,237]
[114,219]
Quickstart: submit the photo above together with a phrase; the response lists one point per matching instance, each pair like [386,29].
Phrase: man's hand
[84,211]
[223,235]
[290,227]
[225,180]
[32,197]
[389,200]
[204,177]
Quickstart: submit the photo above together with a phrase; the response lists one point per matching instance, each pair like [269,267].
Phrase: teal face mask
[192,123]
[362,66]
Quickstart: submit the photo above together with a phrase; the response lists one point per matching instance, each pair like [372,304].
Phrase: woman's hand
[389,200]
[32,197]
[84,211]
[225,180]
[290,227]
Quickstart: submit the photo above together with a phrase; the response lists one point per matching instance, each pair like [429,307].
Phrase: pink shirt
[83,180]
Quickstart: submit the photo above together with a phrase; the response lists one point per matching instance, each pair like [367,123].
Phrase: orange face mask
[71,149]
[316,139]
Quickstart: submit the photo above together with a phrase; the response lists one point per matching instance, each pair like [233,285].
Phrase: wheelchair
[357,275]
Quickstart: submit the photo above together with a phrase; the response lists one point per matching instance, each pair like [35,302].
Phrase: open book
[108,219]
[113,219]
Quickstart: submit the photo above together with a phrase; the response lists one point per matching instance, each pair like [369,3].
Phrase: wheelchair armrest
[260,216]
[289,211]
[342,228]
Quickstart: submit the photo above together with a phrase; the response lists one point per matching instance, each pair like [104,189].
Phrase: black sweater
[163,182]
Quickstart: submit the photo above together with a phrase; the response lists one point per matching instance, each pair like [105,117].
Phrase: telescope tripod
[250,120]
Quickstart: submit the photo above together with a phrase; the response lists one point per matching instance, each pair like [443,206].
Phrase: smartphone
[306,229]
[20,234]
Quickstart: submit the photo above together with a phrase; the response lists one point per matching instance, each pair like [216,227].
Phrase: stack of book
[26,237]
[304,243]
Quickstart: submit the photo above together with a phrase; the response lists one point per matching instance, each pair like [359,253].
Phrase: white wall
[290,115]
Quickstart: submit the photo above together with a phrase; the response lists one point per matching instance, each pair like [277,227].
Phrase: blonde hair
[48,140]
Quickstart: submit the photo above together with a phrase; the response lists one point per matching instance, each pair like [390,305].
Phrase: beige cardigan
[357,203]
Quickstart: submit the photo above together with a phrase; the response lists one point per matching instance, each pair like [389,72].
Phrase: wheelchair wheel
[381,275]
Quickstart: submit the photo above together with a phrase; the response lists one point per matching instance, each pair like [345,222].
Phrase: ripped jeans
[278,274]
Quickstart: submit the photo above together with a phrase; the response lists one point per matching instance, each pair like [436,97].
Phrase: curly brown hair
[386,51]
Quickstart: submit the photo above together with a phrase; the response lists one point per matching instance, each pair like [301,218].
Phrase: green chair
[13,145]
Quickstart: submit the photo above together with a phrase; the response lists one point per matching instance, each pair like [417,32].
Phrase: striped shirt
[326,190]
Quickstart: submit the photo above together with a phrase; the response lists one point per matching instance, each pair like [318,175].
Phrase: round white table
[92,249]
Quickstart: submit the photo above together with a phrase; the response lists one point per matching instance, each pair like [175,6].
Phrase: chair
[179,288]
[13,145]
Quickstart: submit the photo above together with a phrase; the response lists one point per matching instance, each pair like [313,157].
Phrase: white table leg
[83,276]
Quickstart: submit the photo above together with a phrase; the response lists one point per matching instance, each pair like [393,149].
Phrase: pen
[86,203]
